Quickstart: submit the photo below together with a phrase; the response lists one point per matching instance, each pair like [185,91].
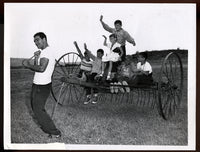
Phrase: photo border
[121,1]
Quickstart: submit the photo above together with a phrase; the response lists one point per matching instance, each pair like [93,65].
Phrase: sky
[153,26]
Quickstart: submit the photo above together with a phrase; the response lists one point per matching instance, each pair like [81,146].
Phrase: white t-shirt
[145,67]
[112,56]
[43,78]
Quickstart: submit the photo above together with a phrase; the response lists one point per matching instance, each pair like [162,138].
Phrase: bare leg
[103,68]
[109,69]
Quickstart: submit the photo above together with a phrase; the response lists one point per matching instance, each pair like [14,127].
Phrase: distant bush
[153,55]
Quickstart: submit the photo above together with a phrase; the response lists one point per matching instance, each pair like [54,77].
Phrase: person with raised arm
[122,35]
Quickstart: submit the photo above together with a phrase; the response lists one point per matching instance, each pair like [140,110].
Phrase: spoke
[61,67]
[58,71]
[166,70]
[175,67]
[171,70]
[168,106]
[178,96]
[166,101]
[76,59]
[59,98]
[65,95]
[75,91]
[174,106]
[73,59]
[70,94]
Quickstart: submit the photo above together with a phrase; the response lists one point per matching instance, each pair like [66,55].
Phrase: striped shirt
[86,65]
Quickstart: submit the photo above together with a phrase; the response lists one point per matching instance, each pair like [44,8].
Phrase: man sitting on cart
[130,73]
[140,74]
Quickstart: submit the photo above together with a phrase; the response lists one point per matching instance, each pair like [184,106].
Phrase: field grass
[102,123]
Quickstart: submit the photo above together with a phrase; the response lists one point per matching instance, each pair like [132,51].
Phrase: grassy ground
[102,123]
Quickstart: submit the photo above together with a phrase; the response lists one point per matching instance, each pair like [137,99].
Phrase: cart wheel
[170,85]
[67,66]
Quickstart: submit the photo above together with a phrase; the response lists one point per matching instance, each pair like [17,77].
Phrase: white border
[60,146]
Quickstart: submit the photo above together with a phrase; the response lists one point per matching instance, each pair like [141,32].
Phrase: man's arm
[79,51]
[105,26]
[129,38]
[121,52]
[93,57]
[38,68]
[105,41]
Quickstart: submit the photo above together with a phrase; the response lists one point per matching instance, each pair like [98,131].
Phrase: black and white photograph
[100,76]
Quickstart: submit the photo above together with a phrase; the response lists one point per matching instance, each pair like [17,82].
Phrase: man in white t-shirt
[43,66]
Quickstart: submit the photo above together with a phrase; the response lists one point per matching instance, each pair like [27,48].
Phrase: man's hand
[85,46]
[101,18]
[75,43]
[104,36]
[37,53]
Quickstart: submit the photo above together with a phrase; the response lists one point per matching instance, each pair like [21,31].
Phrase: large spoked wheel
[170,85]
[67,66]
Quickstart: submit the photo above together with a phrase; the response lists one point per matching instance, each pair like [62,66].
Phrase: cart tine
[149,98]
[145,97]
[138,96]
[56,104]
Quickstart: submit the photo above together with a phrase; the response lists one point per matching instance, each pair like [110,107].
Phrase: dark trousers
[39,97]
[142,80]
[124,52]
[90,78]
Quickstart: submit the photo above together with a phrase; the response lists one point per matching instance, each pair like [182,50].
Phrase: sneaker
[112,88]
[86,102]
[101,75]
[88,99]
[94,99]
[89,96]
[126,88]
[116,88]
[120,88]
[108,78]
[56,134]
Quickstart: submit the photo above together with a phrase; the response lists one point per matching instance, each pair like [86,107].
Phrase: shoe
[120,88]
[89,96]
[88,99]
[56,134]
[126,88]
[86,102]
[112,88]
[108,78]
[116,88]
[94,99]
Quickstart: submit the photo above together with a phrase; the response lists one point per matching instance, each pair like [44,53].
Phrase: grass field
[102,123]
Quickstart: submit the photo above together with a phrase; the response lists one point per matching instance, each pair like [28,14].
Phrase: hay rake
[165,94]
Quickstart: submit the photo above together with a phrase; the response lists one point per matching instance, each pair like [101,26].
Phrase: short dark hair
[85,53]
[113,35]
[143,54]
[101,51]
[41,35]
[118,22]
